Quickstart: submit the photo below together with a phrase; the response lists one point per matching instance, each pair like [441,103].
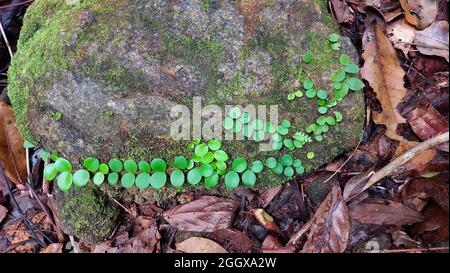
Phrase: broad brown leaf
[12,155]
[234,241]
[3,213]
[401,35]
[206,214]
[384,74]
[384,212]
[200,245]
[272,245]
[420,13]
[341,11]
[330,226]
[433,40]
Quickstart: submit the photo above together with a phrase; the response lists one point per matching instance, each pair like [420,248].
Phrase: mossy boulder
[99,78]
[86,213]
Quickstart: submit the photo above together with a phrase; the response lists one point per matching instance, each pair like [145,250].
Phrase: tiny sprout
[291,96]
[98,178]
[143,181]
[307,58]
[103,168]
[308,84]
[310,155]
[336,46]
[298,94]
[311,93]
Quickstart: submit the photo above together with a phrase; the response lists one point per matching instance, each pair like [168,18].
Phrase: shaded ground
[361,207]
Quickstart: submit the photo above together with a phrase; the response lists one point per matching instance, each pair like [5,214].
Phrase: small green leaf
[235,112]
[338,116]
[214,144]
[336,46]
[130,166]
[307,58]
[338,76]
[257,166]
[286,160]
[288,143]
[333,37]
[143,181]
[115,165]
[298,94]
[271,162]
[247,130]
[190,165]
[278,169]
[269,127]
[291,96]
[177,178]
[194,176]
[103,168]
[259,136]
[286,123]
[228,123]
[308,84]
[355,84]
[311,128]
[344,59]
[201,150]
[289,171]
[158,165]
[221,155]
[311,93]
[99,178]
[321,120]
[220,165]
[244,118]
[322,110]
[296,163]
[310,155]
[206,170]
[237,127]
[283,130]
[239,164]
[337,85]
[298,144]
[158,180]
[276,146]
[180,162]
[300,170]
[249,178]
[211,181]
[50,172]
[91,164]
[144,166]
[127,180]
[80,178]
[113,178]
[341,93]
[322,94]
[352,68]
[318,138]
[324,128]
[232,180]
[257,124]
[28,145]
[208,158]
[331,121]
[63,165]
[64,181]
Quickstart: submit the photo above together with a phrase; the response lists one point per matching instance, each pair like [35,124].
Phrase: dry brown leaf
[10,134]
[233,240]
[330,226]
[341,11]
[53,248]
[420,13]
[206,214]
[401,35]
[433,40]
[265,220]
[356,185]
[3,213]
[272,245]
[384,212]
[200,245]
[383,72]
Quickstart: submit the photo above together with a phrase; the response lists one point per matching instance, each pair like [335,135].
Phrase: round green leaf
[259,136]
[311,93]
[271,162]
[220,165]
[228,123]
[318,138]
[194,176]
[91,164]
[338,116]
[324,128]
[237,127]
[257,166]
[337,85]
[307,58]
[300,170]
[177,178]
[239,164]
[269,127]
[278,168]
[249,178]
[298,93]
[211,181]
[286,123]
[80,178]
[286,160]
[103,168]
[50,172]
[127,180]
[247,130]
[206,170]
[283,130]
[308,84]
[336,46]
[296,163]
[257,124]
[113,178]
[322,94]
[201,150]
[99,178]
[64,181]
[331,121]
[289,171]
[143,181]
[214,144]
[130,166]
[310,155]
[344,59]
[321,120]
[63,165]
[158,180]
[322,110]
[288,143]
[291,96]
[232,180]
[220,155]
[333,37]
[298,144]
[115,165]
[355,84]
[339,94]
[180,162]
[208,158]
[144,166]
[235,112]
[244,118]
[338,76]
[190,165]
[311,128]
[276,146]
[352,68]
[158,165]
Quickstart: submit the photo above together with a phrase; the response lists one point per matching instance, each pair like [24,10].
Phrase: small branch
[76,248]
[408,250]
[15,5]
[6,40]
[408,155]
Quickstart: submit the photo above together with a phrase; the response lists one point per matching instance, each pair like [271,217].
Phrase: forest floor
[390,194]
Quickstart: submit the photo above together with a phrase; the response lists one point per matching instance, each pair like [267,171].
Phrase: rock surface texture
[99,78]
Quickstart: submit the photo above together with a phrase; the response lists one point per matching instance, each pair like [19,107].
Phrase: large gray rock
[100,78]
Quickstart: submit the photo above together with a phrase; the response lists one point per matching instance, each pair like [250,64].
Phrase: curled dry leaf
[401,239]
[330,226]
[3,213]
[356,185]
[265,220]
[53,248]
[433,40]
[435,228]
[401,35]
[383,72]
[234,241]
[206,214]
[12,155]
[341,11]
[200,245]
[272,245]
[384,212]
[420,13]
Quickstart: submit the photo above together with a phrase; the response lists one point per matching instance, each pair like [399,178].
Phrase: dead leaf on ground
[418,163]
[272,245]
[3,213]
[330,226]
[233,240]
[147,241]
[341,11]
[420,13]
[356,185]
[10,134]
[384,212]
[401,239]
[433,40]
[401,34]
[206,214]
[266,196]
[200,245]
[435,228]
[53,248]
[266,220]
[383,72]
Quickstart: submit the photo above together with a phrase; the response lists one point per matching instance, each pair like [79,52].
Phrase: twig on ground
[6,40]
